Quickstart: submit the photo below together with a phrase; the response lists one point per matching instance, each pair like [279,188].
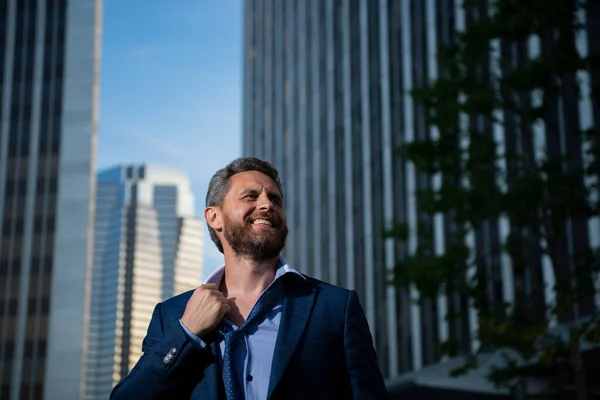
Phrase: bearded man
[257,328]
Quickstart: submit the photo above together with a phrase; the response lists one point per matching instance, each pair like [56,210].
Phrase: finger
[217,293]
[225,308]
[210,286]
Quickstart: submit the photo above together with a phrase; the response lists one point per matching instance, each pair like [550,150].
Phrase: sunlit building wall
[148,247]
[327,100]
[49,77]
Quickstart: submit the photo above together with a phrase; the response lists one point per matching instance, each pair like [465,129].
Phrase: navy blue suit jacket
[324,350]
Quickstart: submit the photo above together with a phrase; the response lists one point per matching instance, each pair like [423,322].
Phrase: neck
[245,276]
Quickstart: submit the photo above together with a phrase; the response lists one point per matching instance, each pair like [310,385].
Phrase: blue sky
[171,87]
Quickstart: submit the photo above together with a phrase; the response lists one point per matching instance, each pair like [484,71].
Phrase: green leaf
[484,181]
[398,230]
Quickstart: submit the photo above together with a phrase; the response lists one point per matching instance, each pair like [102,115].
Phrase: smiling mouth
[262,222]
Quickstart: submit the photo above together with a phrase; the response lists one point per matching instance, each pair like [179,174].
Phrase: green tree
[475,180]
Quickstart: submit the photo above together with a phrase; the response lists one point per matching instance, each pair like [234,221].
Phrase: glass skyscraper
[147,248]
[49,67]
[327,100]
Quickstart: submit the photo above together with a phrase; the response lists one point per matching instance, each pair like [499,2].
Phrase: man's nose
[265,203]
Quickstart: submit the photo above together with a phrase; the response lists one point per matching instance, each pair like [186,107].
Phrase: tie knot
[233,334]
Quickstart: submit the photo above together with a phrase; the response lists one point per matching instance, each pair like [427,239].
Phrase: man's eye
[250,196]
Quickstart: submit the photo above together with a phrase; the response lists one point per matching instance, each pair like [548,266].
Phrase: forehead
[253,180]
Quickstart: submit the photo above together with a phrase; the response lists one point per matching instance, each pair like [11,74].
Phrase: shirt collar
[282,268]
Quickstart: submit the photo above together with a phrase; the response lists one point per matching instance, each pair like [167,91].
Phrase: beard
[259,246]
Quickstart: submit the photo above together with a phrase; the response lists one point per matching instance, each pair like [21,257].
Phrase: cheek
[283,217]
[241,211]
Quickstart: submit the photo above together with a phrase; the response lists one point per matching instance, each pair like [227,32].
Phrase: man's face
[254,222]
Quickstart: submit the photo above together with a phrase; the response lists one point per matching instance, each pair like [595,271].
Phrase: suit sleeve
[164,370]
[361,360]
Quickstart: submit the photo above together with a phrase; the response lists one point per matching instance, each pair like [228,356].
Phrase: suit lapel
[297,306]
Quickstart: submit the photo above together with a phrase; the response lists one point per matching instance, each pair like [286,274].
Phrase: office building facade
[327,100]
[49,76]
[147,248]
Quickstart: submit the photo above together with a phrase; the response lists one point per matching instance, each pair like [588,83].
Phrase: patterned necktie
[233,388]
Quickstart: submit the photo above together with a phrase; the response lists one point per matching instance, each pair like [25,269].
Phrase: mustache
[276,222]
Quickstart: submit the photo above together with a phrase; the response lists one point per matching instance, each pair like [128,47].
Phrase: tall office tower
[49,72]
[327,100]
[147,248]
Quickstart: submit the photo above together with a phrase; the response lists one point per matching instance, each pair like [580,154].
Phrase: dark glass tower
[49,61]
[326,100]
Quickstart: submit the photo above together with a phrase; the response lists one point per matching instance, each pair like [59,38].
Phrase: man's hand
[205,309]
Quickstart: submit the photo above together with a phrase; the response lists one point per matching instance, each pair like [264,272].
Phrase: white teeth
[262,222]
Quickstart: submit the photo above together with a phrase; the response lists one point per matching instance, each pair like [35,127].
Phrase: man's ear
[212,216]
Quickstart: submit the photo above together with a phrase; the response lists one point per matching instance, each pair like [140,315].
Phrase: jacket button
[249,378]
[169,356]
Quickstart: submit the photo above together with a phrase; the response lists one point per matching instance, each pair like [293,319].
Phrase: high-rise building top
[327,100]
[148,248]
[49,66]
[148,177]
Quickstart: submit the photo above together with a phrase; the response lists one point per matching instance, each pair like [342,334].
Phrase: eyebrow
[269,192]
